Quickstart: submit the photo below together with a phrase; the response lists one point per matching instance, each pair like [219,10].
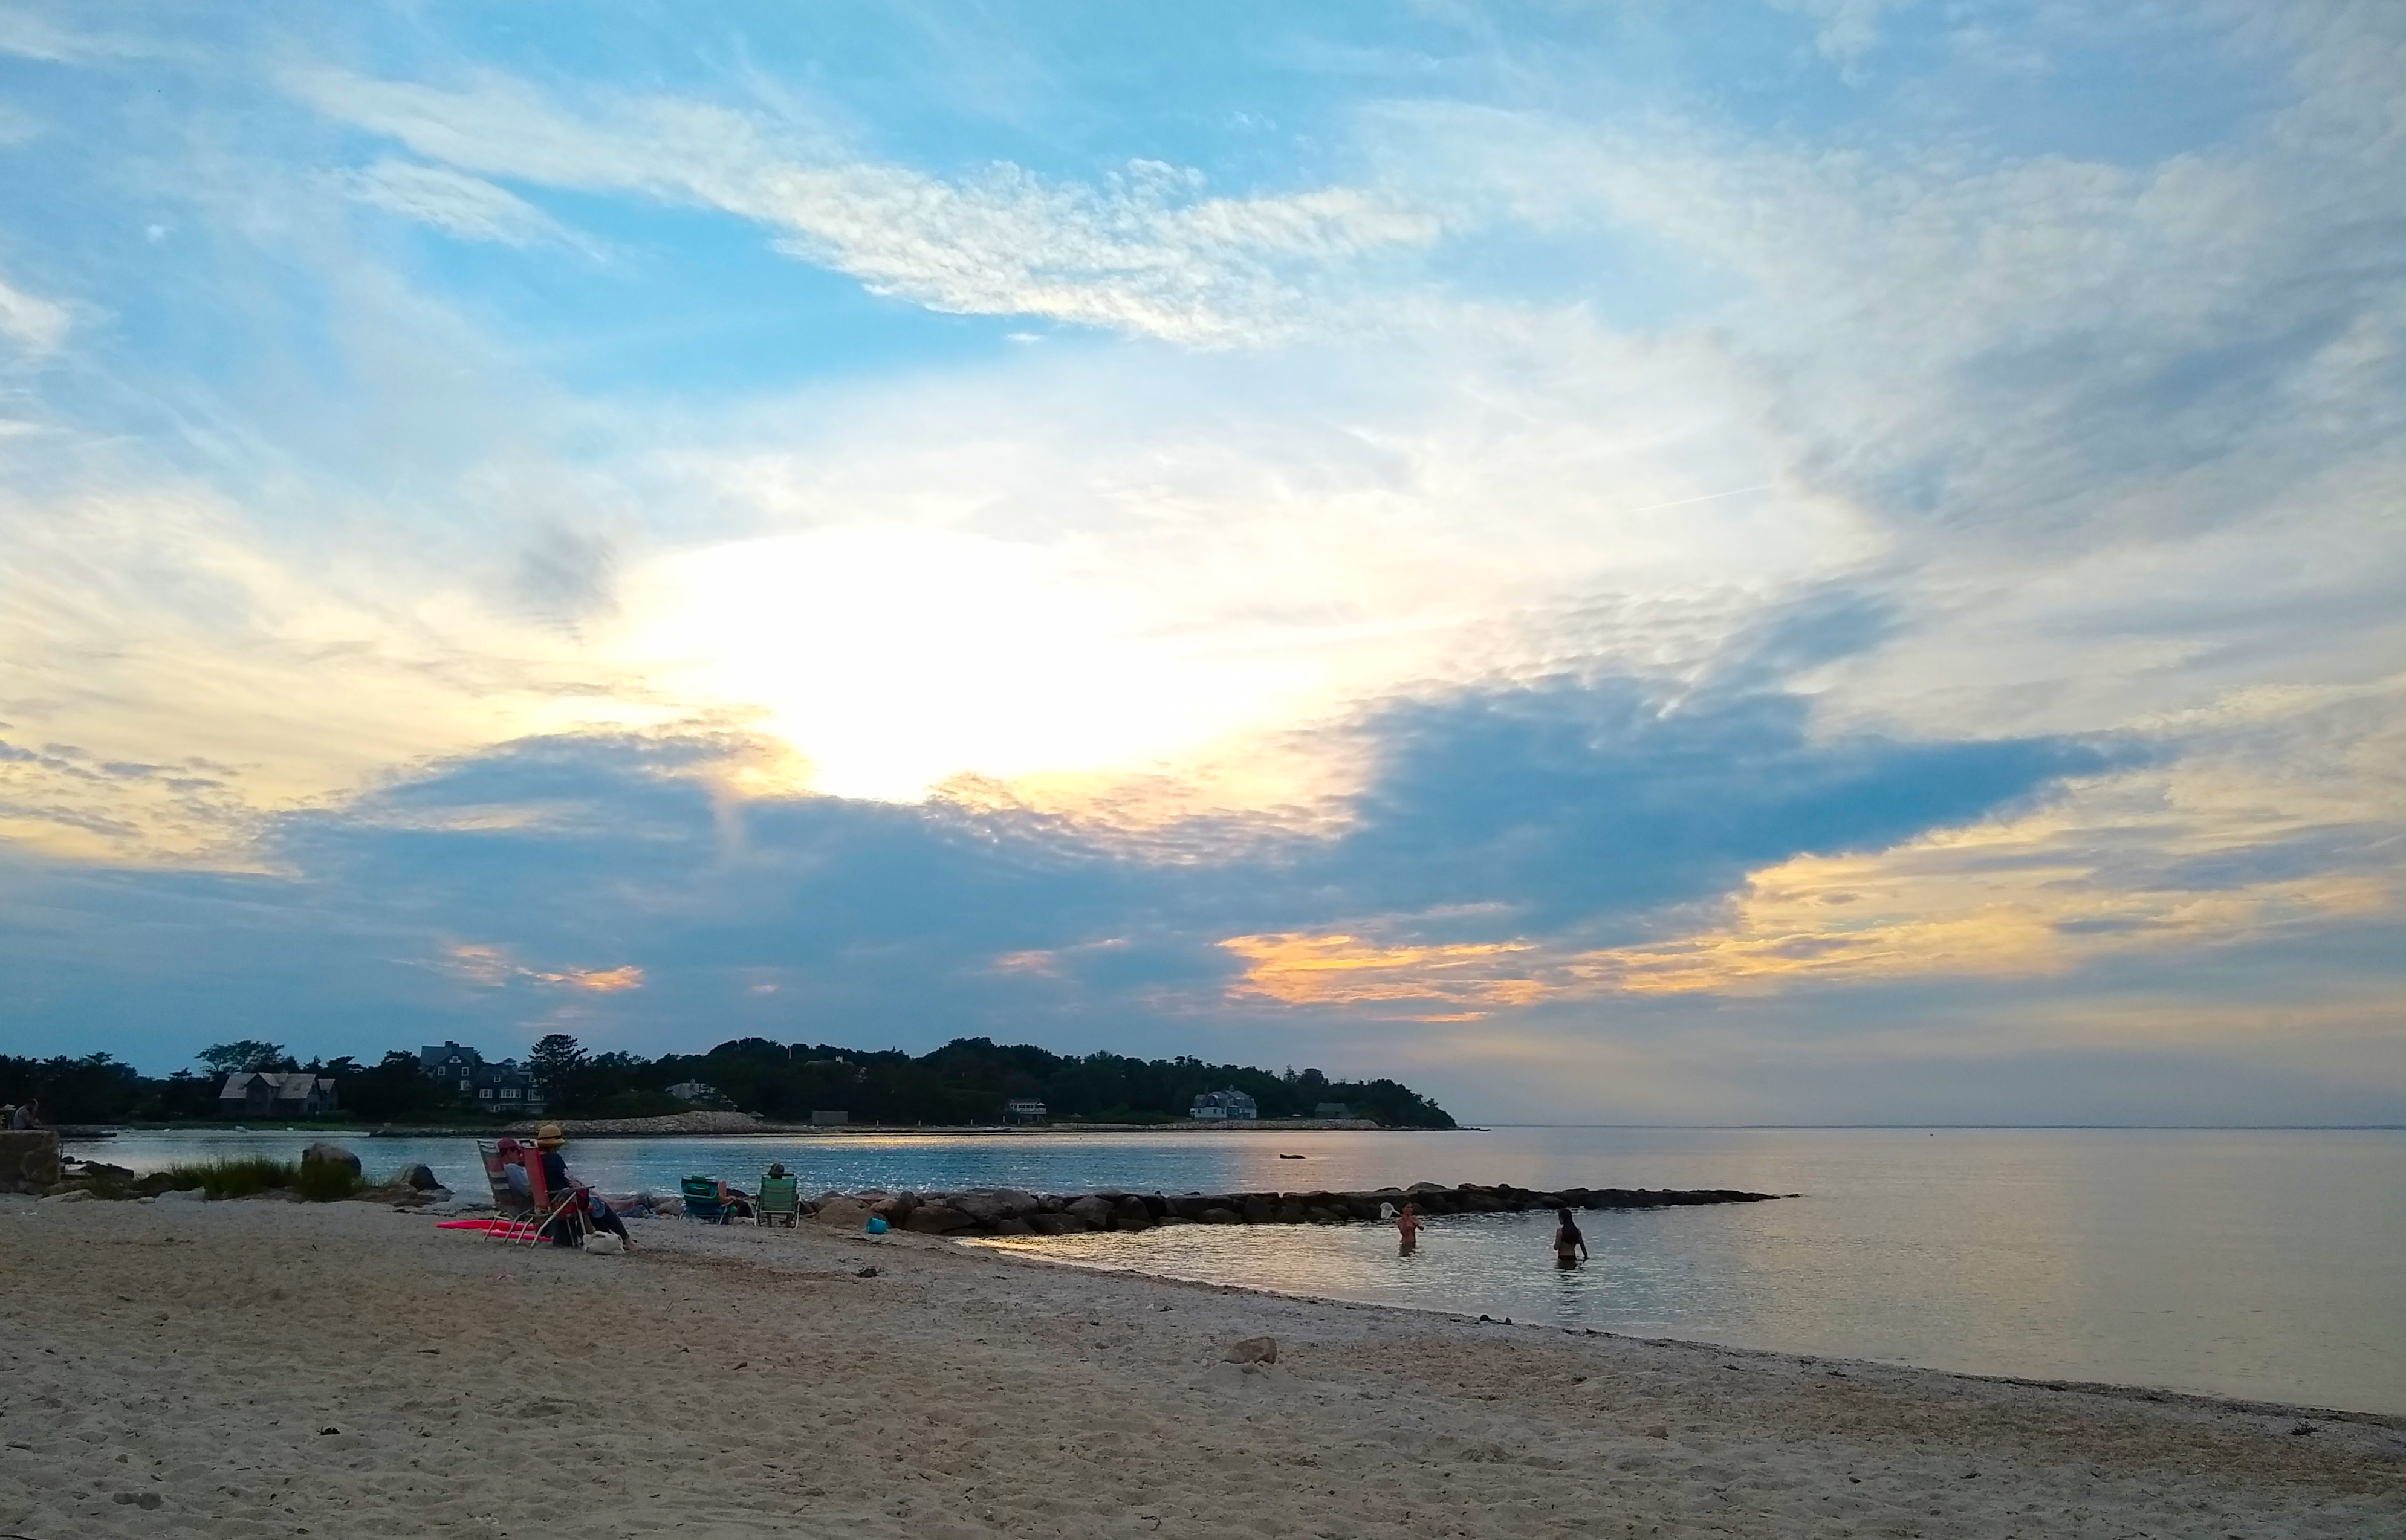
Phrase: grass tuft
[247,1176]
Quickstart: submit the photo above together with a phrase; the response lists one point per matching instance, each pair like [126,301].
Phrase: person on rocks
[1408,1230]
[26,1118]
[1570,1246]
[547,1142]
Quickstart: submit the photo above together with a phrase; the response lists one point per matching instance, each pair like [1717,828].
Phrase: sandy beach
[265,1368]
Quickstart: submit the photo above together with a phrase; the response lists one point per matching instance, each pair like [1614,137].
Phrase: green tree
[557,1065]
[243,1055]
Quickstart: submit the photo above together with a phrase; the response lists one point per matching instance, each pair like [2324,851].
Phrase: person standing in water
[1570,1246]
[1408,1229]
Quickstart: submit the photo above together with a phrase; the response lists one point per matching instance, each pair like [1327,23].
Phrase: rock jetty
[1008,1211]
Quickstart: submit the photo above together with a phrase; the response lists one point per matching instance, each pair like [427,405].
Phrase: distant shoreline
[738,1125]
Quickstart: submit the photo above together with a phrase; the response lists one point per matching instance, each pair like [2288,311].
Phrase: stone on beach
[29,1161]
[937,1219]
[841,1214]
[1252,1350]
[324,1153]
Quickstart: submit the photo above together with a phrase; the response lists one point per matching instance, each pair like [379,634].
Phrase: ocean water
[2260,1264]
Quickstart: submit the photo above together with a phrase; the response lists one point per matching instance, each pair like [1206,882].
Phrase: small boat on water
[1290,1157]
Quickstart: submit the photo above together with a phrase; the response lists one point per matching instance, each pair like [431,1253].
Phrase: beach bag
[877,1225]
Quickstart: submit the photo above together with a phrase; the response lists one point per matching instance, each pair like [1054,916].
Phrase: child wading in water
[1408,1226]
[1570,1246]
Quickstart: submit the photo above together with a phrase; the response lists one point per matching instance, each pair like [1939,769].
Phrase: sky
[1820,562]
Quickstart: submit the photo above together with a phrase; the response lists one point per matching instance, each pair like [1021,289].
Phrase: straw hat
[549,1135]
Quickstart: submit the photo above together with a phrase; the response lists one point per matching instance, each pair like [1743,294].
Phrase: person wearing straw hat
[548,1139]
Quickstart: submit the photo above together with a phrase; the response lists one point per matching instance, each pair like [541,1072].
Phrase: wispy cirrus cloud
[1145,251]
[466,207]
[35,324]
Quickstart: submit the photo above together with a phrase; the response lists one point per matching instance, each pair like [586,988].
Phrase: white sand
[170,1370]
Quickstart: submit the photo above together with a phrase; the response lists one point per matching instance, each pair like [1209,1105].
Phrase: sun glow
[895,660]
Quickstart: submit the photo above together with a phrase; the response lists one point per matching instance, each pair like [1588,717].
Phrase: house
[506,1089]
[256,1094]
[454,1064]
[1332,1110]
[695,1091]
[1231,1105]
[496,1087]
[1023,1109]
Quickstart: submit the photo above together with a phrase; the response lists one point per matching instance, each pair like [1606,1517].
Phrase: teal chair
[780,1201]
[705,1200]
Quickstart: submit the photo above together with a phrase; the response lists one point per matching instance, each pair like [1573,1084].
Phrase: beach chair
[508,1201]
[780,1201]
[564,1209]
[705,1199]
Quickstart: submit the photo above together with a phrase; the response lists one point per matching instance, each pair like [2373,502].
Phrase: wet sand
[174,1369]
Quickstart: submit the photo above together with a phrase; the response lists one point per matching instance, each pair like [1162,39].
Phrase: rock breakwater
[1009,1211]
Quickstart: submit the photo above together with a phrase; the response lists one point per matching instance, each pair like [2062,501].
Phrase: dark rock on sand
[322,1153]
[937,1219]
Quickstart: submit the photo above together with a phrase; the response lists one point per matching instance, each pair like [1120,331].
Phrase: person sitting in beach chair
[506,1173]
[711,1201]
[781,1197]
[565,1209]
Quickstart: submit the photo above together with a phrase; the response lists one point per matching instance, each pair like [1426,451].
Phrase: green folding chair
[780,1201]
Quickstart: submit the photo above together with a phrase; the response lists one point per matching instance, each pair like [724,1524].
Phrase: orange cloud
[1300,970]
[493,965]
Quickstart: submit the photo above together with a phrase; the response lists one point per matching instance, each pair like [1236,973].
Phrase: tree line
[967,1080]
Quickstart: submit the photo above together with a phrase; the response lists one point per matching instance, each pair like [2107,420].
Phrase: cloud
[465,207]
[1145,251]
[493,966]
[35,324]
[1849,29]
[1495,825]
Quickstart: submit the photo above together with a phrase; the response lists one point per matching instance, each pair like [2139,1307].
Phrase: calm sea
[2250,1262]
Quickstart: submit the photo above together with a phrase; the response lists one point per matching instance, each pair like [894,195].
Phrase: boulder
[1319,1213]
[1220,1216]
[73,1194]
[29,1161]
[185,1195]
[993,1205]
[1013,1226]
[841,1214]
[1290,1212]
[938,1219]
[322,1153]
[422,1178]
[1252,1350]
[1130,1213]
[1259,1209]
[1092,1212]
[1057,1225]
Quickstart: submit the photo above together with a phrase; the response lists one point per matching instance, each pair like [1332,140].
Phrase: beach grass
[247,1176]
